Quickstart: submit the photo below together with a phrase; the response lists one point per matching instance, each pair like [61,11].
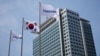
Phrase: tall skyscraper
[67,34]
[88,41]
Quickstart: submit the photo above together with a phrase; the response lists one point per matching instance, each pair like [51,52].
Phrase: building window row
[76,44]
[51,49]
[72,13]
[76,39]
[68,53]
[74,21]
[72,17]
[77,54]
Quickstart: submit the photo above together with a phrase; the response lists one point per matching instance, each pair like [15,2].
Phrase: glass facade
[73,43]
[69,36]
[87,38]
[36,47]
[50,41]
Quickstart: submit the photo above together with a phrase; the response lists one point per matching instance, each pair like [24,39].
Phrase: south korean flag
[31,26]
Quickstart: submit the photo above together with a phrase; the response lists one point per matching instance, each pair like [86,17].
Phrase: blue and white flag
[15,36]
[48,10]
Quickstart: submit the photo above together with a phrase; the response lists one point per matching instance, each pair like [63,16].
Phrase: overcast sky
[12,12]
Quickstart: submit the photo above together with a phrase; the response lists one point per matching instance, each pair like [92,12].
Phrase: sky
[12,12]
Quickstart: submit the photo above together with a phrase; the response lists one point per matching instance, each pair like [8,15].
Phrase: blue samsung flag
[48,10]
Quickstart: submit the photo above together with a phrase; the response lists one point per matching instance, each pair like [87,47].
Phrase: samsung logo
[49,11]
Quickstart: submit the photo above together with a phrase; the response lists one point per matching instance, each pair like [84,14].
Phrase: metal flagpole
[22,38]
[9,43]
[39,25]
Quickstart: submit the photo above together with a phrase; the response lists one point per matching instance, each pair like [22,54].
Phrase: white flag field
[31,26]
[15,36]
[48,10]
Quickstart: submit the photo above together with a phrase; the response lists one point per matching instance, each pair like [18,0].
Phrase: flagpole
[39,25]
[22,38]
[9,43]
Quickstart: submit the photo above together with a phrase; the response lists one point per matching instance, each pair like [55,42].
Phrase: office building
[67,34]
